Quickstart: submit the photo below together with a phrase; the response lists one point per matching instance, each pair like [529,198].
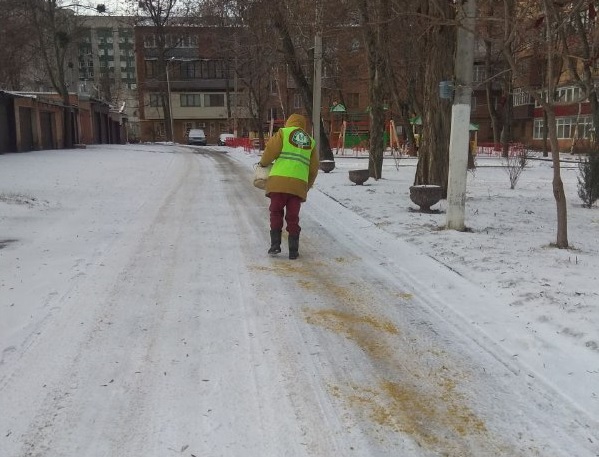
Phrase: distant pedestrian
[293,173]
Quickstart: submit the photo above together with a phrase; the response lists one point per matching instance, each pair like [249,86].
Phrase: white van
[196,136]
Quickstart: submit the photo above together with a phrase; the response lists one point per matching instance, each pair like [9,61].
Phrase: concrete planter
[358,177]
[425,196]
[327,165]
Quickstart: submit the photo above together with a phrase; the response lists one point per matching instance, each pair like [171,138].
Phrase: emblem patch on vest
[300,139]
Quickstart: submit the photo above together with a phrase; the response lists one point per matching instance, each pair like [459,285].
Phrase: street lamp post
[170,108]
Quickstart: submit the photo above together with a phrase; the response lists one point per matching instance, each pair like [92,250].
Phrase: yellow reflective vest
[294,160]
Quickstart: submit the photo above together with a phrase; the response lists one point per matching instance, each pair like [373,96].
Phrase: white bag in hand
[261,175]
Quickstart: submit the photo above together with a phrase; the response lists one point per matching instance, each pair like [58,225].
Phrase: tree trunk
[377,128]
[303,86]
[506,132]
[162,65]
[433,153]
[545,135]
[595,110]
[68,119]
[558,185]
[549,109]
[374,33]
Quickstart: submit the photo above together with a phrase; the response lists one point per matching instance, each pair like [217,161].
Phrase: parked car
[222,138]
[196,136]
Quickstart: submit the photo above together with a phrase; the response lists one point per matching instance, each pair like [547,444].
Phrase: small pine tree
[588,179]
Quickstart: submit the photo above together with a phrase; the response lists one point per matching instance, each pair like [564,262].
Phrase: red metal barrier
[496,149]
[244,143]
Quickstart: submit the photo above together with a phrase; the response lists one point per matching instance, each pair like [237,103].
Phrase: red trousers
[285,206]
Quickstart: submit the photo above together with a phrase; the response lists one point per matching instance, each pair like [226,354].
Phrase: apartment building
[106,66]
[200,81]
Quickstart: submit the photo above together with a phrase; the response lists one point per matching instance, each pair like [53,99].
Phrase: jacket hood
[296,120]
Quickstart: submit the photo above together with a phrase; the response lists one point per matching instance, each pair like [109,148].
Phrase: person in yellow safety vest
[293,173]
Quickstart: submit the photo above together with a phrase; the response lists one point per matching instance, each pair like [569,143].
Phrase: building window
[188,100]
[159,129]
[190,70]
[214,100]
[297,101]
[585,127]
[150,68]
[564,95]
[213,69]
[564,127]
[220,71]
[155,100]
[537,133]
[567,127]
[568,95]
[479,74]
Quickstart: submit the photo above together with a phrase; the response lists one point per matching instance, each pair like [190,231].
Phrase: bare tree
[437,44]
[522,28]
[580,39]
[290,32]
[56,32]
[16,40]
[161,14]
[254,66]
[497,73]
[290,46]
[373,20]
[404,67]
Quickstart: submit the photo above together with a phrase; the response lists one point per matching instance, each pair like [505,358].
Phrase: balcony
[178,85]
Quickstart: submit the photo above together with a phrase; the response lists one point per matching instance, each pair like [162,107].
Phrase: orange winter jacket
[285,184]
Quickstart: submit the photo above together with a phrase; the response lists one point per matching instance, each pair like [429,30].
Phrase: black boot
[275,242]
[293,246]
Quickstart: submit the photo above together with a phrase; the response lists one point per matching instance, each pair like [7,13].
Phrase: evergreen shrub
[588,179]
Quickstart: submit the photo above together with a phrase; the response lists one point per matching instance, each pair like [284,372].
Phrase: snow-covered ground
[139,314]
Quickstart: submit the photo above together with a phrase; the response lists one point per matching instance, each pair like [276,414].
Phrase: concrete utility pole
[316,91]
[459,139]
[235,89]
[170,100]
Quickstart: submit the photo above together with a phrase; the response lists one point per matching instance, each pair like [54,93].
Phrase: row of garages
[34,121]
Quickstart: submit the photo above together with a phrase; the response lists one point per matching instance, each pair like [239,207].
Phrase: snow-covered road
[141,316]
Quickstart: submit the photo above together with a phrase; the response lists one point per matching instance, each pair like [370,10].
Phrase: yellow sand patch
[364,330]
[436,420]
